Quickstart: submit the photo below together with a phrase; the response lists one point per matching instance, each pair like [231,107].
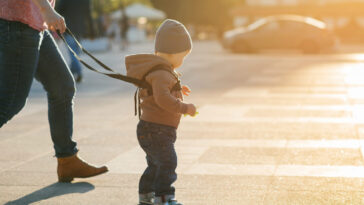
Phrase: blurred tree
[199,12]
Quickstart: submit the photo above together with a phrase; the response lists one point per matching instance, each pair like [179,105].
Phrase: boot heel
[65,179]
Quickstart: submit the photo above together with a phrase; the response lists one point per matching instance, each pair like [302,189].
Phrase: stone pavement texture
[273,128]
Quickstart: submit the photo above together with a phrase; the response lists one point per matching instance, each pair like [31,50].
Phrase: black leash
[113,74]
[139,83]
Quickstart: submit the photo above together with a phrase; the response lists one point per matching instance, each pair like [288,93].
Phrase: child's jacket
[163,107]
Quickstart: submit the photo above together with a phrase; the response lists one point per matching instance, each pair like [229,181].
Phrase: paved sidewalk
[273,128]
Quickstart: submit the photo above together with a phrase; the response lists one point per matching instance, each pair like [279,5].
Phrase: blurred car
[281,32]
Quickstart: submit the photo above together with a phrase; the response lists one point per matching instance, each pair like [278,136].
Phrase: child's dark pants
[157,142]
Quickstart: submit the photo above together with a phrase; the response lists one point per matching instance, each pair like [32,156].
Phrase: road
[273,128]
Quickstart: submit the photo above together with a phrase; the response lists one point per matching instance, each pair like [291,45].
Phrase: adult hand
[54,20]
[50,16]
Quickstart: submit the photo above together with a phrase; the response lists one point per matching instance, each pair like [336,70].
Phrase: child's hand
[191,109]
[186,90]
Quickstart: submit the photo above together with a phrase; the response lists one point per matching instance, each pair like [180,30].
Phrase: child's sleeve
[161,82]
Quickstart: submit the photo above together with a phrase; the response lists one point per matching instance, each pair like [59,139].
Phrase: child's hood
[138,65]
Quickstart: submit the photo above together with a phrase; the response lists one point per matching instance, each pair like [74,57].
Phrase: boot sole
[65,179]
[70,179]
[103,172]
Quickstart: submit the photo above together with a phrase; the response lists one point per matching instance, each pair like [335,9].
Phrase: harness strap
[176,87]
[139,83]
[113,74]
[137,107]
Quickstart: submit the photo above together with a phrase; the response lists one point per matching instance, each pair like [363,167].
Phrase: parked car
[281,32]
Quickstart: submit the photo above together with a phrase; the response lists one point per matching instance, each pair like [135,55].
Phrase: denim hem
[62,155]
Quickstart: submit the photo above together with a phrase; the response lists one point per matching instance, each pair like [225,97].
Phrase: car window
[291,25]
[271,26]
[257,24]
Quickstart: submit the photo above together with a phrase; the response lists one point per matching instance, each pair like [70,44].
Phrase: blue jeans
[26,53]
[75,64]
[157,141]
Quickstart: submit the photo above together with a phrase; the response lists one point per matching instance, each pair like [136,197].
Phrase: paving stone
[302,156]
[328,184]
[274,128]
[268,130]
[297,113]
[313,197]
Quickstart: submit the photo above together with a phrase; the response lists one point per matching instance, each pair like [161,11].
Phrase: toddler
[161,109]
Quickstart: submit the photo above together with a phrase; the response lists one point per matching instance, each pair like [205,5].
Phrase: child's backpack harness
[141,84]
[176,87]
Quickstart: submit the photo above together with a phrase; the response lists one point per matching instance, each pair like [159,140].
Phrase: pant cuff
[62,155]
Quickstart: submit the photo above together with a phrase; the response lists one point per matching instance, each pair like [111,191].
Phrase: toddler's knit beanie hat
[172,37]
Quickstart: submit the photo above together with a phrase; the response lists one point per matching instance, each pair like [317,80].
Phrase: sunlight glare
[354,75]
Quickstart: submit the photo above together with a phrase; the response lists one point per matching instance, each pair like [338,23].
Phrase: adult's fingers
[57,26]
[62,25]
[52,27]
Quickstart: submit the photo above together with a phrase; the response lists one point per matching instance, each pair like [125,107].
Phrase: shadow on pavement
[53,190]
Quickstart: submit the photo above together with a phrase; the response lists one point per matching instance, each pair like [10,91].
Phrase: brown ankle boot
[74,167]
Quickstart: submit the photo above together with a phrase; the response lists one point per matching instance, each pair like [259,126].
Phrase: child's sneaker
[166,200]
[146,199]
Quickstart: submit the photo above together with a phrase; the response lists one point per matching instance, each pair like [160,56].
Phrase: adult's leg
[19,52]
[57,80]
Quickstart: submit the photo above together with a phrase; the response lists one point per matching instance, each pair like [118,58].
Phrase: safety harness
[140,84]
[176,87]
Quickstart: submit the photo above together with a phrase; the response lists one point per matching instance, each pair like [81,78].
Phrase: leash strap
[113,74]
[139,83]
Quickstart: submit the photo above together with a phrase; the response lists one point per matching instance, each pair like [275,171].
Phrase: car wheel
[310,47]
[241,47]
